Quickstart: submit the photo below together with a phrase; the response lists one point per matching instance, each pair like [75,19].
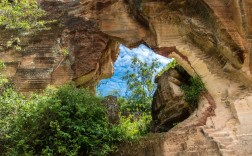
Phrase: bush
[64,121]
[135,123]
[192,90]
[135,126]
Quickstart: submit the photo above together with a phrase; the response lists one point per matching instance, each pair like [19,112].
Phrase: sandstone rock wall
[211,38]
[41,60]
[168,106]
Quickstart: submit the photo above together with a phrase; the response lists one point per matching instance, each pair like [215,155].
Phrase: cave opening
[115,84]
[166,106]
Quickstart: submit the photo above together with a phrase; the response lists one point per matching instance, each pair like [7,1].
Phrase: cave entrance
[166,102]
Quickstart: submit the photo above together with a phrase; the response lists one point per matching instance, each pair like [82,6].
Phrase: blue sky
[122,64]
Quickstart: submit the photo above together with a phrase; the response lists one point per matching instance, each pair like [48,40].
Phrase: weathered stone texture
[168,106]
[178,142]
[211,38]
[112,108]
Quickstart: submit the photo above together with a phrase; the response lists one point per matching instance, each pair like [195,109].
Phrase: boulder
[112,107]
[168,106]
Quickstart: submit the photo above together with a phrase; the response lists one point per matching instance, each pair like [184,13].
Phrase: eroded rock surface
[211,38]
[168,106]
[112,107]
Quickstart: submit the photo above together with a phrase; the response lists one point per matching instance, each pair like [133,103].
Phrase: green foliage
[136,106]
[135,126]
[192,90]
[21,14]
[65,52]
[2,65]
[14,43]
[140,85]
[172,64]
[65,121]
[3,79]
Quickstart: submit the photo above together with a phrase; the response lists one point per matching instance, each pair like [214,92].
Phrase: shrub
[134,127]
[192,90]
[133,123]
[64,121]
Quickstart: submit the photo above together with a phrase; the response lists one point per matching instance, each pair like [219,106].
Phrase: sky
[115,83]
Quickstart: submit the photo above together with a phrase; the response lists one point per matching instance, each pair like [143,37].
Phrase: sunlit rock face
[73,49]
[211,38]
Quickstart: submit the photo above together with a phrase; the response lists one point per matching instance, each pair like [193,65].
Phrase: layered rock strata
[168,106]
[211,38]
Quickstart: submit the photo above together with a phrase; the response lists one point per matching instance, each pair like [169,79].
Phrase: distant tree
[140,85]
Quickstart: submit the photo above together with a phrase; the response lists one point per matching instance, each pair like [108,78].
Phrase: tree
[140,85]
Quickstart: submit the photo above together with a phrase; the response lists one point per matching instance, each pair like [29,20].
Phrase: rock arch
[206,39]
[211,38]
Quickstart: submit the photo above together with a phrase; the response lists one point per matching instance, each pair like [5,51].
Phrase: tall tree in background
[140,85]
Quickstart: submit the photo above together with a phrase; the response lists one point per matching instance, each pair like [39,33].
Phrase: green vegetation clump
[21,14]
[192,90]
[65,52]
[65,121]
[135,126]
[172,64]
[3,79]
